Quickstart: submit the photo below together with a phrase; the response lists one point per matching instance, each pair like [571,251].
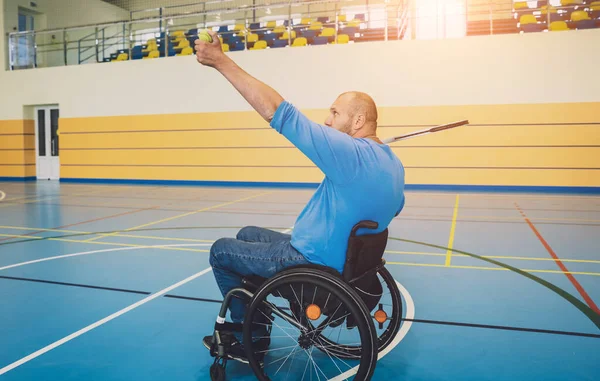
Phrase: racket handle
[449,125]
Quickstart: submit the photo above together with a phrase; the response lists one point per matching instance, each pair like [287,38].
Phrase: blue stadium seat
[586,24]
[350,31]
[308,34]
[319,40]
[280,43]
[269,38]
[136,53]
[237,46]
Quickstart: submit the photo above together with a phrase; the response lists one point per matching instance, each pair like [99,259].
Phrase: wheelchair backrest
[364,252]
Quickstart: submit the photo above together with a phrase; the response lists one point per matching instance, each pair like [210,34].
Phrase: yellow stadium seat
[252,37]
[569,2]
[279,29]
[286,35]
[558,26]
[520,5]
[183,44]
[527,19]
[342,39]
[328,32]
[316,25]
[300,41]
[187,51]
[342,18]
[271,24]
[354,23]
[178,33]
[579,15]
[259,45]
[152,54]
[122,57]
[225,47]
[239,27]
[305,21]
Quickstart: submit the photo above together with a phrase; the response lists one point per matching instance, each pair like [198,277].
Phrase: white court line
[103,321]
[2,195]
[99,251]
[410,314]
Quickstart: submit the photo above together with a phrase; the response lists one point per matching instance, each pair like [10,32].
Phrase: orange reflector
[313,312]
[380,316]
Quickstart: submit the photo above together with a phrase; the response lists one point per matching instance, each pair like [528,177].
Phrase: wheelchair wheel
[301,305]
[386,328]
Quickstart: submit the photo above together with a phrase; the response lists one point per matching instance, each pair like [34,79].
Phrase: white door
[46,146]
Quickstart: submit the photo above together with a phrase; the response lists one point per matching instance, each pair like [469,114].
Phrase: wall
[173,119]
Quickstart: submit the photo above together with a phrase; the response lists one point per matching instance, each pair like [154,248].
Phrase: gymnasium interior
[123,160]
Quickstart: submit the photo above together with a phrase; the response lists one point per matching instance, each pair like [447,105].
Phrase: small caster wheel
[217,372]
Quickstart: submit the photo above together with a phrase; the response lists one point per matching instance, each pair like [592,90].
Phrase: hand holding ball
[208,49]
[204,36]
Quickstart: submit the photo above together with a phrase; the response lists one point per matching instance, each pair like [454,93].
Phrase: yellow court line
[106,243]
[491,256]
[182,215]
[120,235]
[452,230]
[20,236]
[492,268]
[128,245]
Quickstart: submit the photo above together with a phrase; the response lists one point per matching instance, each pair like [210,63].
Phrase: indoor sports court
[124,161]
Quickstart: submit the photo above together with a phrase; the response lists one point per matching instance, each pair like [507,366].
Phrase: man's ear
[359,121]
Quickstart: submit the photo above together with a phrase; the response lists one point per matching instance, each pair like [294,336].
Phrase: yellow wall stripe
[550,157]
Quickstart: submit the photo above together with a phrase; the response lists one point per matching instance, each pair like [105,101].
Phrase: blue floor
[92,312]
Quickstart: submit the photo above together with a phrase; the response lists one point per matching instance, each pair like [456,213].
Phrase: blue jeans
[254,251]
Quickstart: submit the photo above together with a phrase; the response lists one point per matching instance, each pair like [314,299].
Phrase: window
[440,19]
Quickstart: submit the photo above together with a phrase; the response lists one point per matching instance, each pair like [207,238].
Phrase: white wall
[503,69]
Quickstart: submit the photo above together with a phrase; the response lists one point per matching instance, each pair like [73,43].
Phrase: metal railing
[169,30]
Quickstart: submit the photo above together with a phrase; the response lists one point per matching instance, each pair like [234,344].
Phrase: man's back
[376,193]
[364,180]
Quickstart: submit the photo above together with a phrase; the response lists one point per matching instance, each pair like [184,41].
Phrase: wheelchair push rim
[302,296]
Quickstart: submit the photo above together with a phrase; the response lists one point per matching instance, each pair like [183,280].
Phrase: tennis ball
[204,36]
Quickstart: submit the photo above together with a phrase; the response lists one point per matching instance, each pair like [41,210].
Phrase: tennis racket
[426,131]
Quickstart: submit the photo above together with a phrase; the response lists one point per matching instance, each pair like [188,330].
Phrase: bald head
[363,104]
[354,113]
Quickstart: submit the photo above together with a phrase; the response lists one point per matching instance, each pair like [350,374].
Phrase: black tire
[338,290]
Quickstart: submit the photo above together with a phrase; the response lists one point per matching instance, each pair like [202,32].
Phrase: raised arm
[261,97]
[334,152]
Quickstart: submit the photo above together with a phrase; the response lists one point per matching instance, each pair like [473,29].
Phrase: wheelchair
[349,318]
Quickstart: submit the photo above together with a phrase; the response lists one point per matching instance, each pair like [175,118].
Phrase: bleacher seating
[322,30]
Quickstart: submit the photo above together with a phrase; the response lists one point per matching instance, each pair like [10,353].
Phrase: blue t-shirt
[364,180]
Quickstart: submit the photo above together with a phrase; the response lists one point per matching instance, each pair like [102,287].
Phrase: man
[364,180]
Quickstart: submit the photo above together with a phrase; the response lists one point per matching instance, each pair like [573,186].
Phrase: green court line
[587,311]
